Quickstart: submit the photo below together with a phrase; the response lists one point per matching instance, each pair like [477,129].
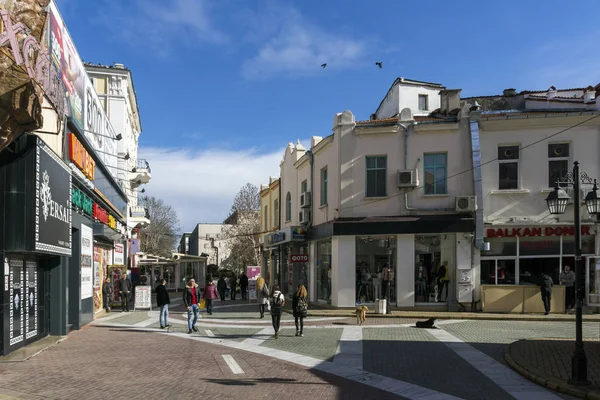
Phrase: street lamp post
[389,252]
[557,203]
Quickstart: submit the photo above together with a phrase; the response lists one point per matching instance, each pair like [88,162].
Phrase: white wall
[51,131]
[326,155]
[343,257]
[290,183]
[406,95]
[405,270]
[390,105]
[528,202]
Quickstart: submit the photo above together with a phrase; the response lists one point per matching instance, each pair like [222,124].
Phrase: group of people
[124,288]
[567,278]
[222,287]
[274,303]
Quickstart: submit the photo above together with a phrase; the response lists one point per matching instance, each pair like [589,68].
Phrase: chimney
[589,94]
[551,92]
[450,100]
[510,92]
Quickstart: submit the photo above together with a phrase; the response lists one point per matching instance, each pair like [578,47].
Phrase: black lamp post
[557,204]
[389,252]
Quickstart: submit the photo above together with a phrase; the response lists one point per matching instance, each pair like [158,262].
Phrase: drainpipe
[406,205]
[474,114]
[311,160]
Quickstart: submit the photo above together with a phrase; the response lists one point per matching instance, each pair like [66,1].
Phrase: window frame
[426,97]
[266,221]
[288,207]
[510,161]
[304,186]
[367,169]
[435,168]
[324,181]
[276,211]
[560,159]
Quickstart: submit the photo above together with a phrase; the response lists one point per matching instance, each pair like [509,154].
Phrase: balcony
[138,217]
[141,173]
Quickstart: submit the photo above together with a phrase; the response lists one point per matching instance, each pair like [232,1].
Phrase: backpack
[301,307]
[276,304]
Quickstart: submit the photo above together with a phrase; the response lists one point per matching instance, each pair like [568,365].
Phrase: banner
[253,272]
[87,255]
[97,279]
[68,66]
[118,259]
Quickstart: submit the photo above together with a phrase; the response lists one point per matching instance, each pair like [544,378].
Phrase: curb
[553,384]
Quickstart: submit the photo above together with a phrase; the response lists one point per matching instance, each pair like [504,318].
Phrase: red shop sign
[100,214]
[536,231]
[299,258]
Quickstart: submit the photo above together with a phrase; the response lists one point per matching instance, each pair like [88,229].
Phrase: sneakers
[276,335]
[190,331]
[162,327]
[301,334]
[297,333]
[195,329]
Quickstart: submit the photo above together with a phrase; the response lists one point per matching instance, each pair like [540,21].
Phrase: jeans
[261,308]
[570,295]
[232,295]
[209,305]
[193,311]
[301,320]
[243,290]
[222,295]
[276,318]
[105,301]
[164,314]
[546,297]
[124,301]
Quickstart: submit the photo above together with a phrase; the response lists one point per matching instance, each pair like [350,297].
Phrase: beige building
[270,222]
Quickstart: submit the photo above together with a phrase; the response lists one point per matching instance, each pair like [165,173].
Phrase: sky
[224,85]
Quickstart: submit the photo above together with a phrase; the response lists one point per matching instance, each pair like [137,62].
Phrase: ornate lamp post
[557,203]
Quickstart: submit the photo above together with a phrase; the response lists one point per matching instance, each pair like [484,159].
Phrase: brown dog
[361,315]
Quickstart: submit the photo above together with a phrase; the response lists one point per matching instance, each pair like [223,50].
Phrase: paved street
[125,355]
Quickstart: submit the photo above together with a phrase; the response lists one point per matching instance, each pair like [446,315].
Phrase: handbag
[269,305]
[202,303]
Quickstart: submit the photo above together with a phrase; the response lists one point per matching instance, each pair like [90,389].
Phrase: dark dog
[429,324]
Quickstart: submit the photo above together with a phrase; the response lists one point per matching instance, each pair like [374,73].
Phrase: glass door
[593,281]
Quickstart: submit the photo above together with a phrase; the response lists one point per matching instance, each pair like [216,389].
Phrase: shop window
[558,162]
[531,269]
[432,275]
[435,173]
[594,279]
[504,247]
[324,186]
[487,270]
[508,167]
[498,272]
[376,175]
[375,268]
[286,266]
[539,246]
[588,245]
[288,207]
[324,271]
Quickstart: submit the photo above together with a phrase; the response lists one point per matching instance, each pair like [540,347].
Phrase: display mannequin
[443,279]
[329,283]
[377,285]
[421,283]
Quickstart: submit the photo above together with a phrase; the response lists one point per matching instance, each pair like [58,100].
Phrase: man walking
[546,289]
[163,301]
[244,286]
[106,292]
[191,298]
[567,278]
[233,286]
[222,287]
[124,286]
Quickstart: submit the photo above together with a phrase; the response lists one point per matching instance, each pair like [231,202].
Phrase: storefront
[412,260]
[35,242]
[288,254]
[518,255]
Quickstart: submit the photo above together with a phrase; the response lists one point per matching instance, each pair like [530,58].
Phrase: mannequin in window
[443,280]
[377,285]
[365,277]
[421,283]
[329,283]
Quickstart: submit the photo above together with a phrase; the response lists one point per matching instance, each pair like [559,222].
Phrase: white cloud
[201,185]
[291,45]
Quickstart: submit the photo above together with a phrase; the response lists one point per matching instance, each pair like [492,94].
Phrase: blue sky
[224,85]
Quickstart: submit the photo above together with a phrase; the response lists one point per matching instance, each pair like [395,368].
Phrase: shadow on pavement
[256,381]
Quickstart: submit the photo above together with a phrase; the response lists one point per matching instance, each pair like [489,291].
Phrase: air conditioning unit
[304,216]
[305,199]
[465,204]
[408,178]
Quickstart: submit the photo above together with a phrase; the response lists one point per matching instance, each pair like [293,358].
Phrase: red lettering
[500,233]
[516,232]
[549,231]
[585,230]
[536,232]
[491,233]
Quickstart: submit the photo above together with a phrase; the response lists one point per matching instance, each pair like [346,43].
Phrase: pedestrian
[244,286]
[546,284]
[210,294]
[163,301]
[567,278]
[277,303]
[233,287]
[191,298]
[106,292]
[262,295]
[124,287]
[299,309]
[222,287]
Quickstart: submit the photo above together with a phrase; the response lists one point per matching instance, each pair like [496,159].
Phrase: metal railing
[139,212]
[142,164]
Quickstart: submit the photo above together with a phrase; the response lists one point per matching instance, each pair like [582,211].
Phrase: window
[276,212]
[288,207]
[376,176]
[435,173]
[558,162]
[266,218]
[508,167]
[324,186]
[304,186]
[423,102]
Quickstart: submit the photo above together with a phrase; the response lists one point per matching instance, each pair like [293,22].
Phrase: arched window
[288,207]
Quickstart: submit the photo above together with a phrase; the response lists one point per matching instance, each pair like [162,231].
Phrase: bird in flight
[379,64]
[323,65]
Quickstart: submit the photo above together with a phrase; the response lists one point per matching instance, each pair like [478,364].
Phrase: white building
[208,239]
[115,89]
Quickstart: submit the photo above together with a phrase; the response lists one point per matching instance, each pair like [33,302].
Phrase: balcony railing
[139,212]
[142,164]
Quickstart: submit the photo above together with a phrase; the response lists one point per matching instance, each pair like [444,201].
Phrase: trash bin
[380,306]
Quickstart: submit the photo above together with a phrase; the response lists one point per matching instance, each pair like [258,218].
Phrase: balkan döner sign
[536,231]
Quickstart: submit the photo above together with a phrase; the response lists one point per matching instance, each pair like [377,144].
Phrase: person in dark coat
[222,288]
[244,286]
[299,309]
[124,286]
[106,292]
[546,284]
[233,285]
[163,301]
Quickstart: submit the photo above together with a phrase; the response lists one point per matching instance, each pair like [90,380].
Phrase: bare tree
[242,229]
[160,236]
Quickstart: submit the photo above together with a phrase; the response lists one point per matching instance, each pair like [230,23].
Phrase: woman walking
[262,294]
[277,303]
[210,294]
[299,309]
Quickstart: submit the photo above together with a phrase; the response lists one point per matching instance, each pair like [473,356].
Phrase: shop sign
[299,258]
[119,258]
[98,129]
[112,222]
[87,269]
[38,68]
[80,157]
[53,203]
[81,201]
[298,233]
[276,237]
[100,214]
[536,231]
[134,246]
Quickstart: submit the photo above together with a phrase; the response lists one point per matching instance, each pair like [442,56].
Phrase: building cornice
[323,144]
[385,129]
[543,121]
